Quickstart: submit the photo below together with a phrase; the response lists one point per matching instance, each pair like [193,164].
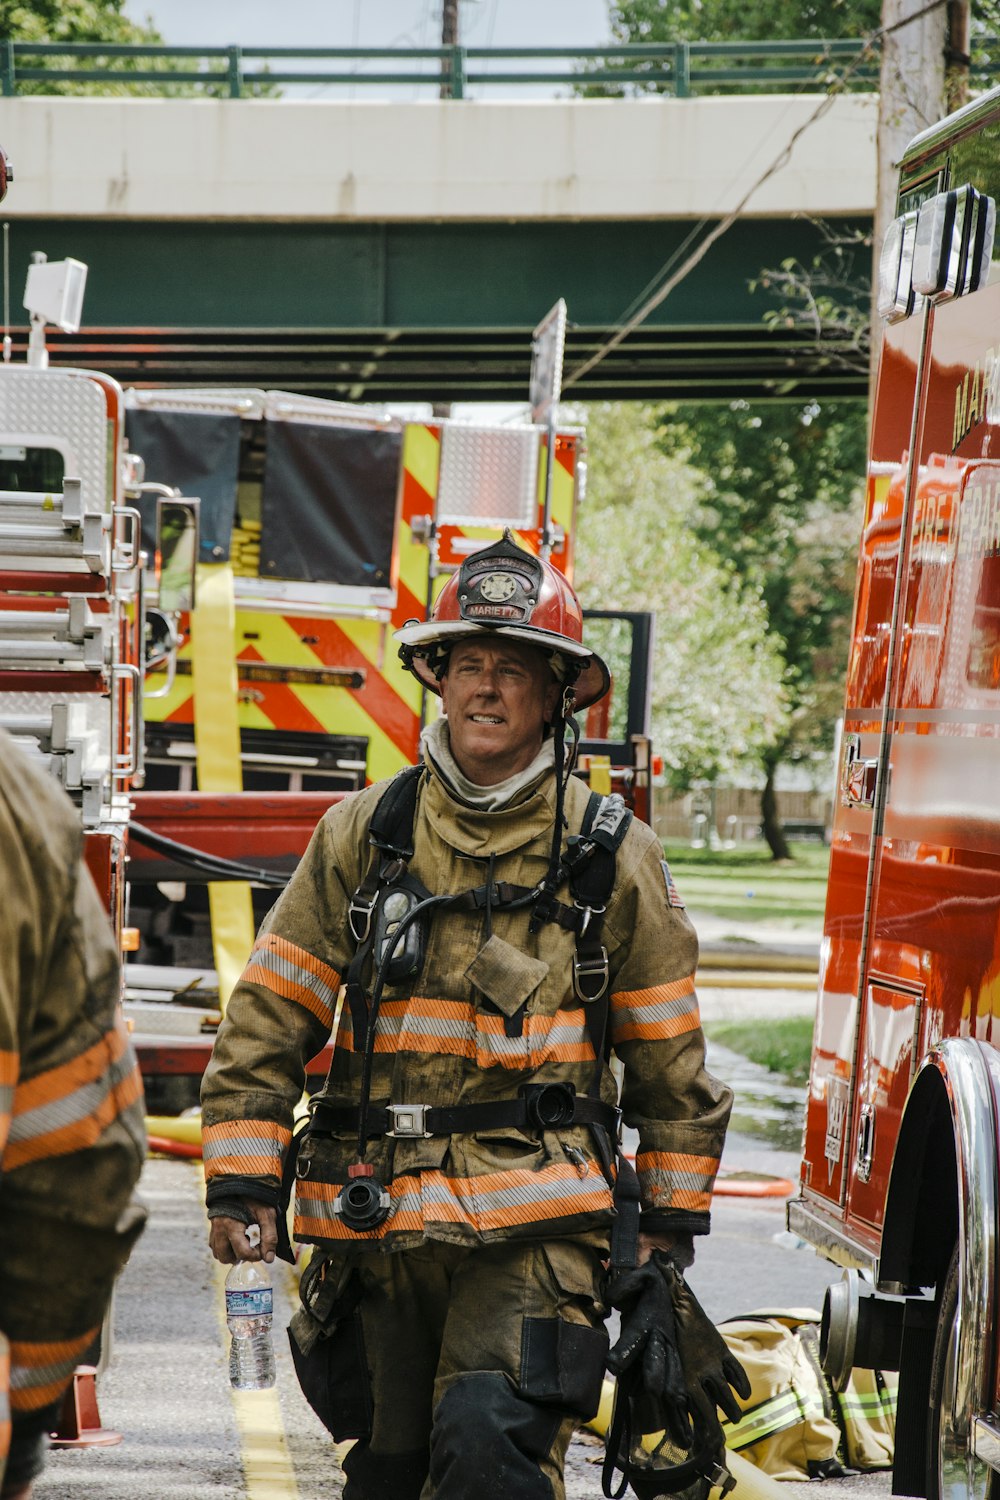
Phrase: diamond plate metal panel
[53,409]
[28,717]
[489,477]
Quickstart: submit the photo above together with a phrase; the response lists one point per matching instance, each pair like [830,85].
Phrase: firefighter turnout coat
[492,1009]
[72,1139]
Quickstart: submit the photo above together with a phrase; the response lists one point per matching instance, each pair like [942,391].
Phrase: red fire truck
[900,1179]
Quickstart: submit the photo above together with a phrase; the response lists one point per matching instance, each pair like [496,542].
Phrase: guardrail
[681,69]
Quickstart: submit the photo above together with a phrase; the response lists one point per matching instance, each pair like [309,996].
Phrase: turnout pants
[461,1372]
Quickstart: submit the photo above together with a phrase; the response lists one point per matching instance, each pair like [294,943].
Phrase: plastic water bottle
[249,1307]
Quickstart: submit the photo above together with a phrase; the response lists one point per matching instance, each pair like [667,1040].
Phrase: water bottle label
[255,1302]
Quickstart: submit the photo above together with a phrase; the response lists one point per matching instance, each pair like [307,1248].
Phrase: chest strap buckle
[590,974]
[409,1121]
[359,914]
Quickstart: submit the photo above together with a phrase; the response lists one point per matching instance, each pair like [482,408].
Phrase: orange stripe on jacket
[226,1152]
[677,1179]
[555,1192]
[86,1067]
[4,1401]
[676,1161]
[81,1133]
[457,1029]
[655,1014]
[286,985]
[9,1064]
[41,1371]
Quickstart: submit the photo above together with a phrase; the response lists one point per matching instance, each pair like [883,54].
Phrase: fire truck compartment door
[887,1064]
[329,505]
[197,453]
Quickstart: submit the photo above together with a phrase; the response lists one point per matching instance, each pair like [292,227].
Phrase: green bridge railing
[681,69]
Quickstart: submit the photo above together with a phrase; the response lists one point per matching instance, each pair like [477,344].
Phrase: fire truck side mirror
[176,553]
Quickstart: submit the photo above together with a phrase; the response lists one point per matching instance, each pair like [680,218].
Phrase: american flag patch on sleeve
[673,894]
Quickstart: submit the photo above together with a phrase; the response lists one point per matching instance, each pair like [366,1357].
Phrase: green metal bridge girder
[439,311]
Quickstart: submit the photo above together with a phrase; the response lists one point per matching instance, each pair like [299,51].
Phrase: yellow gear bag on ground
[794,1425]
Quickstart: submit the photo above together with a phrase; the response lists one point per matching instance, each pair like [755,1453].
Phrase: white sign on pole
[548,343]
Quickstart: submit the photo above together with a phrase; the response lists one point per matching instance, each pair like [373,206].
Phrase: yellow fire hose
[217,746]
[751,1484]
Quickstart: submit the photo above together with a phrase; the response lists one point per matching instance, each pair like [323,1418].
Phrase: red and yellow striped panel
[244,1148]
[491,1201]
[68,1108]
[676,1179]
[40,1372]
[386,709]
[458,1029]
[655,1014]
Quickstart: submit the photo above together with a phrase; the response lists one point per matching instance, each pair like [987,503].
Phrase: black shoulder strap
[390,832]
[606,821]
[391,826]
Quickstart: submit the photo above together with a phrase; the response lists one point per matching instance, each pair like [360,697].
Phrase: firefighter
[72,1138]
[459,1172]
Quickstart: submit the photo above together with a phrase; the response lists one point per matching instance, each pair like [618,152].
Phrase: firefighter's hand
[227,1238]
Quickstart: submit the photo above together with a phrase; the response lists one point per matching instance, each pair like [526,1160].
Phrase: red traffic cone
[79,1419]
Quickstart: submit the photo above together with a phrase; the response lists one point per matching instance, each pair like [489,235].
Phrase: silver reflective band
[409,1121]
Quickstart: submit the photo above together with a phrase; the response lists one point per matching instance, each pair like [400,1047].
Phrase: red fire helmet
[507,591]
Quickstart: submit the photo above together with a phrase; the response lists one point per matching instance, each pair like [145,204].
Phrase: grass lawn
[784,1046]
[746,884]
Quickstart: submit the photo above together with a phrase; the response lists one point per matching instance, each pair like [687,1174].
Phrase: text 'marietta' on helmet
[505,590]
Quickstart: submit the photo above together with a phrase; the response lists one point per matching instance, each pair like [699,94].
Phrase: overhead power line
[719,229]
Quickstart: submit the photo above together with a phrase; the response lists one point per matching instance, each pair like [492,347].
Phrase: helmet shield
[500,586]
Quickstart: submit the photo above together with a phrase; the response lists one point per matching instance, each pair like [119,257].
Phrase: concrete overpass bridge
[380,250]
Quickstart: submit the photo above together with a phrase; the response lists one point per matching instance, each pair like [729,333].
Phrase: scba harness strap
[390,911]
[388,893]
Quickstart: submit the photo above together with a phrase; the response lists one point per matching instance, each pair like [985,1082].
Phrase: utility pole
[449,38]
[957,75]
[911,97]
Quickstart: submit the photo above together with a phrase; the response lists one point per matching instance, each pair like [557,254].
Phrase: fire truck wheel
[953,1472]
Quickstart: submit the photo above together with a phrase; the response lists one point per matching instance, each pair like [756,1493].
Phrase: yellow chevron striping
[337,709]
[421,459]
[278,641]
[155,710]
[422,456]
[347,716]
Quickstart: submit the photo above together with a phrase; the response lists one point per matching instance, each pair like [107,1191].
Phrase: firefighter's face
[498,695]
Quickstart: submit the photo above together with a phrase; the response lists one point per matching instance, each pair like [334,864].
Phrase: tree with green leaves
[718,700]
[72,21]
[740,20]
[96,22]
[781,492]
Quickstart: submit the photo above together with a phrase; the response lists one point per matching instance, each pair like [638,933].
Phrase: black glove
[709,1367]
[644,1297]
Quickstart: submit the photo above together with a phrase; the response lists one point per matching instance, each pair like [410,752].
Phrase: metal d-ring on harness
[387,916]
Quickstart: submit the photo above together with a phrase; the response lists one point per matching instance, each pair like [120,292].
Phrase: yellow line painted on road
[267,1464]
